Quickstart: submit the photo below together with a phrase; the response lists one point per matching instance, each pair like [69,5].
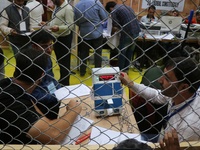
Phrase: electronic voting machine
[152,28]
[107,91]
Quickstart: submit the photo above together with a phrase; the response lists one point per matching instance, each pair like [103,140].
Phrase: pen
[83,138]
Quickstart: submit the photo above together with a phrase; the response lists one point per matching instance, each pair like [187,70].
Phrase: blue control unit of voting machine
[107,91]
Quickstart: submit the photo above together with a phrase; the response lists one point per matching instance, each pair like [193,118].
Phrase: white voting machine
[171,23]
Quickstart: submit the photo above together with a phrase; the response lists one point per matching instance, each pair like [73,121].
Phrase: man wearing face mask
[62,24]
[14,22]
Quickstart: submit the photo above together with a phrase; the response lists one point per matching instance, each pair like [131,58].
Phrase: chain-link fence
[79,98]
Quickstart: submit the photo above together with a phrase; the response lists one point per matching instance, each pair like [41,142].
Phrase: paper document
[72,91]
[169,36]
[113,41]
[160,37]
[80,125]
[26,34]
[104,136]
[107,32]
[47,27]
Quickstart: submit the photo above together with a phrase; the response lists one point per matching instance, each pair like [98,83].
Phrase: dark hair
[30,65]
[132,144]
[197,12]
[109,5]
[41,36]
[175,10]
[152,7]
[186,70]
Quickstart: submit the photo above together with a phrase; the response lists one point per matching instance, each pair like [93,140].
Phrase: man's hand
[54,28]
[74,105]
[13,32]
[42,23]
[170,141]
[125,80]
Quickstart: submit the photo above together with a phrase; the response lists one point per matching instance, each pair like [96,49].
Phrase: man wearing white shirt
[180,83]
[36,12]
[14,22]
[150,16]
[62,26]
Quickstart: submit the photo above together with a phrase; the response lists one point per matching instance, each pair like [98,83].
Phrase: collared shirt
[186,121]
[4,21]
[36,11]
[64,19]
[145,19]
[124,18]
[89,16]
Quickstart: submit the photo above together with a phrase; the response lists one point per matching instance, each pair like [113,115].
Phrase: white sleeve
[142,19]
[4,23]
[150,94]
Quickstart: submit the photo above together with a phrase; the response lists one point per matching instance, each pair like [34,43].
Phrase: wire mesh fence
[61,80]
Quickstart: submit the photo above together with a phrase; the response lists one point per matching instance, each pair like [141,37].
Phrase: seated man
[175,13]
[149,116]
[150,15]
[43,40]
[180,83]
[196,19]
[22,122]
